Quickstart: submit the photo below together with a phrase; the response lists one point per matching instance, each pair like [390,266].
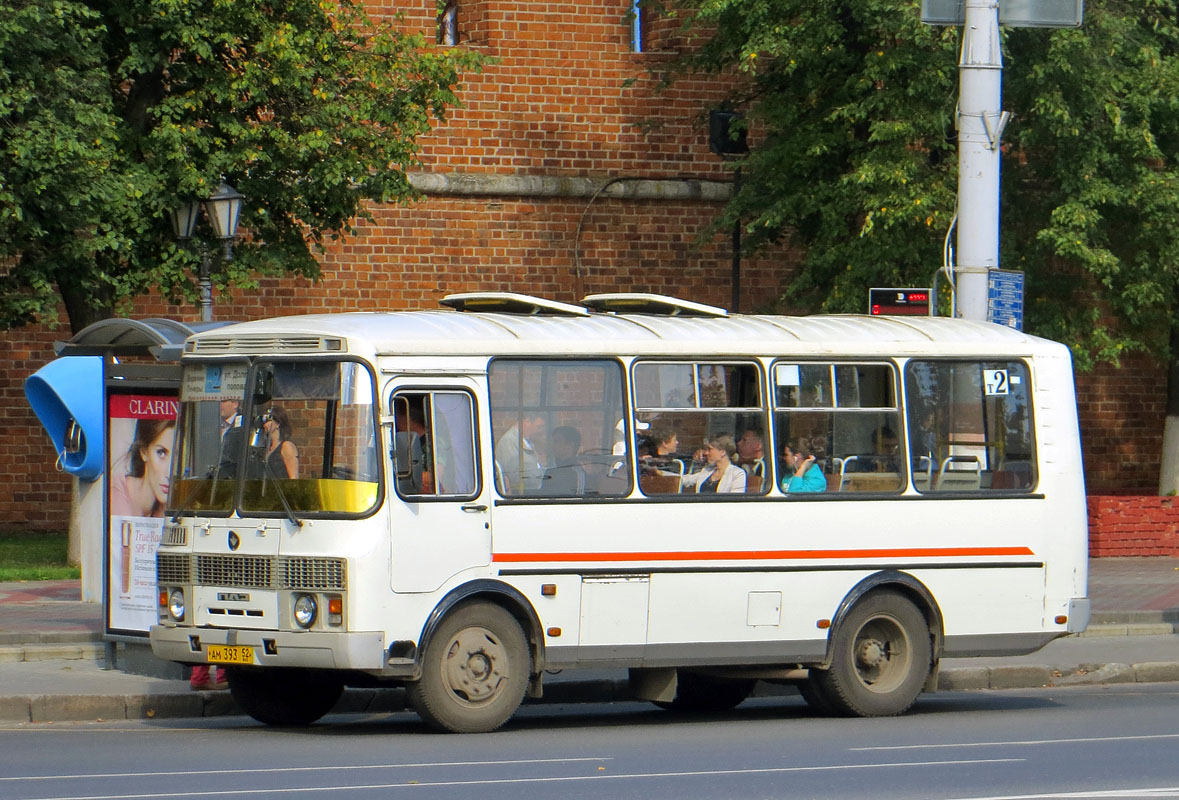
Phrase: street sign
[1005,297]
[1013,13]
[898,302]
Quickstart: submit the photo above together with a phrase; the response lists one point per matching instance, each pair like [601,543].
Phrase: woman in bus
[282,457]
[721,475]
[802,474]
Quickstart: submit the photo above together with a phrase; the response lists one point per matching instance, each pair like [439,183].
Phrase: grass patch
[35,556]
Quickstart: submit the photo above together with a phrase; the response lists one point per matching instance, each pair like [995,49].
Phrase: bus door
[440,518]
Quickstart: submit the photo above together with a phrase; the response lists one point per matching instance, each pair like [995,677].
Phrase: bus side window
[558,428]
[846,416]
[970,426]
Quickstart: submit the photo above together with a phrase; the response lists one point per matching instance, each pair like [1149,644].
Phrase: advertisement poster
[142,437]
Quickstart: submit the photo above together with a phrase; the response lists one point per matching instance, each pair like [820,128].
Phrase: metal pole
[736,305]
[980,128]
[206,286]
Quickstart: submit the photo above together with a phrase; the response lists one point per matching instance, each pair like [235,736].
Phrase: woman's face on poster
[157,460]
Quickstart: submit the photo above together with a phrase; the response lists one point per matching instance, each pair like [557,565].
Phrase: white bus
[460,500]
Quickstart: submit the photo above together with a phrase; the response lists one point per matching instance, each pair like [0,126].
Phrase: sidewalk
[51,655]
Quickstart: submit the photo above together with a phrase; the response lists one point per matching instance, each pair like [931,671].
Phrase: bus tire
[475,670]
[815,696]
[707,693]
[880,658]
[285,697]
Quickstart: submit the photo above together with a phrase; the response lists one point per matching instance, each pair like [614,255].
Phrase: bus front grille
[173,568]
[325,574]
[253,572]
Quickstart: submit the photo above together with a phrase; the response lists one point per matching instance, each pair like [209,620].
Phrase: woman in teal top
[804,475]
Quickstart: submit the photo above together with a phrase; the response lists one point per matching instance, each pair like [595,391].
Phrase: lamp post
[222,209]
[725,142]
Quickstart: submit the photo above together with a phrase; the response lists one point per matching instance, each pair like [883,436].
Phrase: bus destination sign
[898,302]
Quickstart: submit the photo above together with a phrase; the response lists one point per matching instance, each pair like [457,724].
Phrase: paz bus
[477,496]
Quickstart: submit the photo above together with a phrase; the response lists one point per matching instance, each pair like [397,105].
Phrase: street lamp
[222,209]
[722,142]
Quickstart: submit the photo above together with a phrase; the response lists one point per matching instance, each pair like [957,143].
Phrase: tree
[852,103]
[111,113]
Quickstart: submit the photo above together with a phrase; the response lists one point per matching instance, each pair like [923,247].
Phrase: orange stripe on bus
[768,555]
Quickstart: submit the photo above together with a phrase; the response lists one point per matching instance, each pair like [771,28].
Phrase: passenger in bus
[662,459]
[565,476]
[414,421]
[801,472]
[233,430]
[720,475]
[517,455]
[282,457]
[751,452]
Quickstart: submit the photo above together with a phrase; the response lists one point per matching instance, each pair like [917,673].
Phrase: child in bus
[802,474]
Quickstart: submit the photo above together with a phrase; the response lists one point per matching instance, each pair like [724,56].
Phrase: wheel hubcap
[476,666]
[881,654]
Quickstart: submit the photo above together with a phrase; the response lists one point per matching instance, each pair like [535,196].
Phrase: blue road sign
[1005,297]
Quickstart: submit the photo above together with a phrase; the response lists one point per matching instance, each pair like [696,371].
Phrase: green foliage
[34,556]
[111,113]
[854,156]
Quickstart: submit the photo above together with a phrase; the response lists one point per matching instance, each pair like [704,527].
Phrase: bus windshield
[276,437]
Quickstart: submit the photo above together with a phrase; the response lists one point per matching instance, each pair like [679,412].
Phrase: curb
[179,705]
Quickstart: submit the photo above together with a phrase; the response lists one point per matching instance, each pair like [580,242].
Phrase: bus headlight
[176,605]
[305,610]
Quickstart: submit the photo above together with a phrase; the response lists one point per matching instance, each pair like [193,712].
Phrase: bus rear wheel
[881,656]
[474,671]
[707,693]
[285,697]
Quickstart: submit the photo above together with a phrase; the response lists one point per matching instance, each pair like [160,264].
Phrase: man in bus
[751,453]
[565,476]
[518,457]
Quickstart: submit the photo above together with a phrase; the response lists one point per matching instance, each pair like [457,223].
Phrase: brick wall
[555,106]
[1121,411]
[1133,526]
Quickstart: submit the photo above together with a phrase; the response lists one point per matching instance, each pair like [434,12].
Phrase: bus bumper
[313,649]
[1078,614]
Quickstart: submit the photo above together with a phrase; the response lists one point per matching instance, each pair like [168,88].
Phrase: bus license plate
[231,654]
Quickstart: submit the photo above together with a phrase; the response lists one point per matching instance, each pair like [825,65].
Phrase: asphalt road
[1094,741]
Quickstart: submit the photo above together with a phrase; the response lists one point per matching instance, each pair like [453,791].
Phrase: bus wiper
[282,496]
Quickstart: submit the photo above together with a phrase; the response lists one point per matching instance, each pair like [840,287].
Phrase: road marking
[1079,740]
[539,780]
[260,770]
[1169,791]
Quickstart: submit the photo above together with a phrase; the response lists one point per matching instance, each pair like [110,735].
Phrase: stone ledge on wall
[1133,525]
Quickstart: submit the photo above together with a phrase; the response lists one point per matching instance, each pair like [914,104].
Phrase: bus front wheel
[283,696]
[881,657]
[474,671]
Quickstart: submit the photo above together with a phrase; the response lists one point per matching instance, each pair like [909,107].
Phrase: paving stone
[164,706]
[1097,673]
[1154,671]
[62,707]
[14,709]
[1020,677]
[963,678]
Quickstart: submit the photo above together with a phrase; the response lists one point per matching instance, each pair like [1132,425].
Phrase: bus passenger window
[686,414]
[558,428]
[970,426]
[846,416]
